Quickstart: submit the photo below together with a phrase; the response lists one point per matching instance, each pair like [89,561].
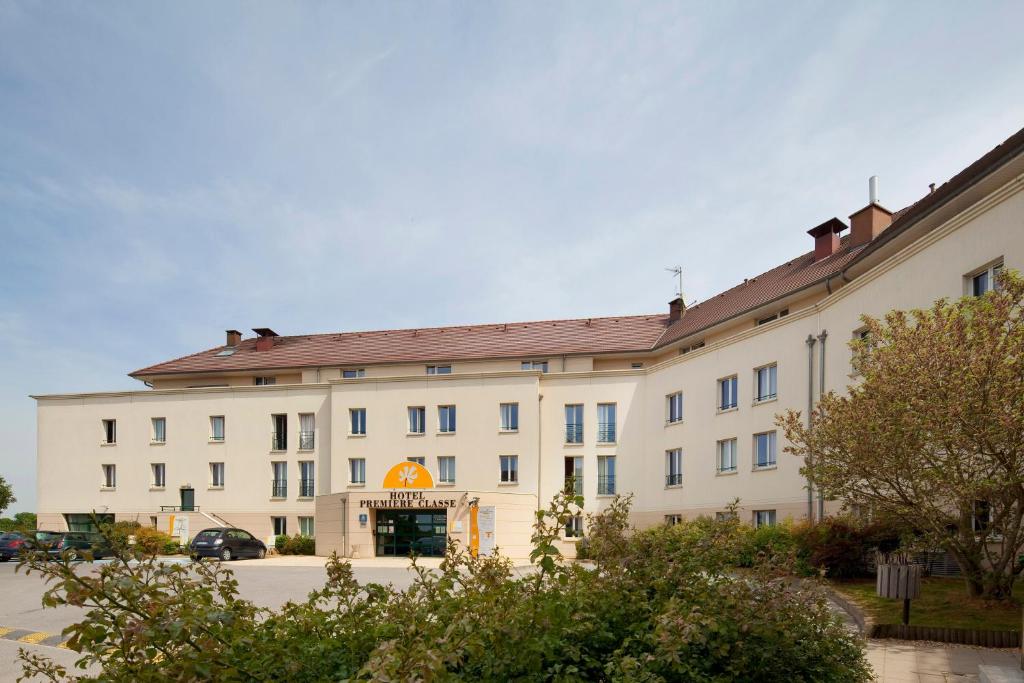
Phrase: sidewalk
[900,661]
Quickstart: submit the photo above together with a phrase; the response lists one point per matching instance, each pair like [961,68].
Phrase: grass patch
[944,602]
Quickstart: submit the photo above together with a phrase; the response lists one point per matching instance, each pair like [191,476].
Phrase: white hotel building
[297,434]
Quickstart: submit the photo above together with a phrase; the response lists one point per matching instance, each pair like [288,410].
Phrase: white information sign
[486,522]
[180,528]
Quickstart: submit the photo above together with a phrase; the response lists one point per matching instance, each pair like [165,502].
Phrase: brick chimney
[676,308]
[234,337]
[869,222]
[264,338]
[826,238]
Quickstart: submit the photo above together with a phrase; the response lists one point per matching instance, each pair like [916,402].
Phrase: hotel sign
[408,499]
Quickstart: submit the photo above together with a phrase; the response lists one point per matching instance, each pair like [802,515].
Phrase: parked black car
[11,544]
[75,543]
[226,544]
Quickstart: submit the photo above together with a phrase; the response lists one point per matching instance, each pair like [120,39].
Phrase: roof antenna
[678,272]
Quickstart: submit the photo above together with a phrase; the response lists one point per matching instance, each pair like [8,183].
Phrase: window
[439,369]
[541,365]
[606,475]
[573,470]
[357,421]
[357,470]
[672,520]
[353,374]
[279,437]
[574,423]
[764,450]
[509,417]
[159,478]
[280,525]
[985,280]
[446,469]
[417,419]
[264,381]
[446,419]
[764,518]
[279,488]
[606,423]
[727,455]
[692,347]
[574,527]
[307,430]
[307,480]
[674,408]
[674,467]
[109,431]
[727,393]
[764,380]
[509,469]
[306,526]
[109,476]
[636,365]
[774,316]
[217,474]
[216,428]
[418,459]
[159,430]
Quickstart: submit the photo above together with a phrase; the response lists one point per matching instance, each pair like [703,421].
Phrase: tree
[933,433]
[6,495]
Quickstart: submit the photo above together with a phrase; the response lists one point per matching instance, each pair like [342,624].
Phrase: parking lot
[270,583]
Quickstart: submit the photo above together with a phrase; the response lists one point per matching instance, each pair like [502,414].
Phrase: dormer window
[773,316]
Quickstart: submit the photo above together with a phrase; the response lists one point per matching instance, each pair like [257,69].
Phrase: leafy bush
[295,545]
[658,605]
[774,544]
[22,521]
[154,542]
[844,547]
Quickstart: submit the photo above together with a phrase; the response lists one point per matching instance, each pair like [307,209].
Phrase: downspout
[821,392]
[540,397]
[810,408]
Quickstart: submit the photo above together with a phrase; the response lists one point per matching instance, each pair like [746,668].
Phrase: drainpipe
[821,392]
[540,468]
[810,408]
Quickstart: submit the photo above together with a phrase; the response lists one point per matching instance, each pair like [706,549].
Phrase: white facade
[933,258]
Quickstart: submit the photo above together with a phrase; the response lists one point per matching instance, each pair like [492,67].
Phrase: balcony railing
[306,440]
[279,441]
[574,433]
[179,508]
[673,479]
[727,468]
[727,405]
[216,437]
[606,432]
[306,488]
[606,485]
[279,488]
[574,485]
[766,397]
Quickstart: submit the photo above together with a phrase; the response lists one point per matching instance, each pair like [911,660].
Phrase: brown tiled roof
[469,342]
[576,336]
[778,282]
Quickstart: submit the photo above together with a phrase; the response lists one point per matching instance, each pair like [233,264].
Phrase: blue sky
[170,170]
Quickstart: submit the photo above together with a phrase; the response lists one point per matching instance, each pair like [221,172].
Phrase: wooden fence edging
[959,636]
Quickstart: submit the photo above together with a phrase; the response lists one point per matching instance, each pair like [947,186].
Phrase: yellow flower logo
[407,475]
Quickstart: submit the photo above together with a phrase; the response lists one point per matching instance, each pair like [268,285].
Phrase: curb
[29,637]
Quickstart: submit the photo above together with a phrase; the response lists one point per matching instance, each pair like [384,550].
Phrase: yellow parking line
[4,631]
[33,638]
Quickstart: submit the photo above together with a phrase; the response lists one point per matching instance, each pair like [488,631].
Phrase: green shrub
[774,544]
[658,605]
[280,542]
[153,541]
[844,547]
[295,545]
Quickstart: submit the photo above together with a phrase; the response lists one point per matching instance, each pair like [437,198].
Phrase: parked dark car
[75,543]
[226,544]
[11,544]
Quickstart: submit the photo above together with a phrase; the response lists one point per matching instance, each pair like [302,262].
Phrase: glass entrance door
[401,532]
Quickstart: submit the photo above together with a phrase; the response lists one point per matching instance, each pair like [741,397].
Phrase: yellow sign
[408,475]
[474,531]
